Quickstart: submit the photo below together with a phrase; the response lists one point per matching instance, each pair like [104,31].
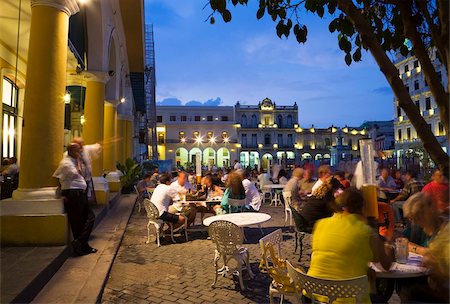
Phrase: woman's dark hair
[165,178]
[351,200]
[282,173]
[234,182]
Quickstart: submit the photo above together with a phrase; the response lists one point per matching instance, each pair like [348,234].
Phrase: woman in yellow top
[343,245]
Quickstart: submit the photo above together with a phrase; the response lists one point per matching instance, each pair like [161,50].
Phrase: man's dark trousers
[80,214]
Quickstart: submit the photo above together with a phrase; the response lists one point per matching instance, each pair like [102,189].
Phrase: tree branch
[433,29]
[389,70]
[420,51]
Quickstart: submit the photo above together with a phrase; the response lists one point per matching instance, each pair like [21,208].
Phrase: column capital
[70,7]
[97,76]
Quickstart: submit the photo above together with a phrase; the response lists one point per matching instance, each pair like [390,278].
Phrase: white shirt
[316,185]
[161,197]
[68,175]
[176,190]
[252,196]
[237,166]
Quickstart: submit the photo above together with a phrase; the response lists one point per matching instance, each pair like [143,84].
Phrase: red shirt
[439,194]
[345,183]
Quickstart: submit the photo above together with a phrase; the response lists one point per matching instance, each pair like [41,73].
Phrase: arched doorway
[244,159]
[209,157]
[306,156]
[192,154]
[223,157]
[318,156]
[253,159]
[181,157]
[267,160]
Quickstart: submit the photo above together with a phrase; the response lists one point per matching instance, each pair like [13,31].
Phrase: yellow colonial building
[68,68]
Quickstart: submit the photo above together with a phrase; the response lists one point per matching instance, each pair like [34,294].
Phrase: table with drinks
[407,265]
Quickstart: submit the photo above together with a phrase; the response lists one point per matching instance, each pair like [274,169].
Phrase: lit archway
[253,159]
[209,157]
[318,156]
[267,160]
[306,156]
[326,156]
[181,157]
[223,157]
[192,154]
[244,159]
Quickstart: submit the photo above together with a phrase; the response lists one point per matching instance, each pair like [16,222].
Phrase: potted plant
[132,172]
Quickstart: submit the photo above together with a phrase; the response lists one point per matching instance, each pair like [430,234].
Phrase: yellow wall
[109,147]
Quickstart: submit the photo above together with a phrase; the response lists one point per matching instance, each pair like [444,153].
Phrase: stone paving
[183,272]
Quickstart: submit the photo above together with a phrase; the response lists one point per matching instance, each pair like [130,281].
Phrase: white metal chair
[238,204]
[276,198]
[267,194]
[328,291]
[153,219]
[138,200]
[228,238]
[274,239]
[287,207]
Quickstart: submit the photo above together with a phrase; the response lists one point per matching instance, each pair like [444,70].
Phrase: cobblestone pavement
[183,272]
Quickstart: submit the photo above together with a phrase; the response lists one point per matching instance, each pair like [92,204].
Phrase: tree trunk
[389,70]
[420,51]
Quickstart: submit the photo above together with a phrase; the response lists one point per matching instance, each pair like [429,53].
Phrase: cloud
[385,90]
[169,102]
[172,101]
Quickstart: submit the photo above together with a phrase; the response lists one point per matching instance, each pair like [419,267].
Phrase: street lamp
[212,140]
[198,140]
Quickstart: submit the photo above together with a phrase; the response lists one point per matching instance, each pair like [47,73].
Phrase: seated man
[324,172]
[179,189]
[293,184]
[252,197]
[438,190]
[142,187]
[306,183]
[412,186]
[161,198]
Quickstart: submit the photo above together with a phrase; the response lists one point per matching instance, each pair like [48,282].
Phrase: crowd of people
[415,210]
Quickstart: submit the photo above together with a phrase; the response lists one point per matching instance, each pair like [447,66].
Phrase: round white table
[412,269]
[241,219]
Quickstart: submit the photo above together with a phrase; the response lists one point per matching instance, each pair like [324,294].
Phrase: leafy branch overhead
[384,28]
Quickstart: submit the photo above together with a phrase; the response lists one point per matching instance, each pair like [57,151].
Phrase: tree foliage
[380,27]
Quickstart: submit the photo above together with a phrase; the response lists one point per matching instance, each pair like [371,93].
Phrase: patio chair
[287,207]
[267,264]
[236,204]
[327,291]
[301,229]
[267,194]
[139,199]
[153,219]
[228,238]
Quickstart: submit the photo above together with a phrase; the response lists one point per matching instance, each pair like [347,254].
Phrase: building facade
[256,135]
[55,87]
[408,147]
[182,132]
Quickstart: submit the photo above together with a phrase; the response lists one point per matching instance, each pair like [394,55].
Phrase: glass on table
[401,250]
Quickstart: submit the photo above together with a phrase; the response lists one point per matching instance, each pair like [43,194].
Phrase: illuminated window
[9,99]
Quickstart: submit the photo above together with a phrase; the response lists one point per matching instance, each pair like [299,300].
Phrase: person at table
[421,210]
[11,169]
[180,187]
[282,177]
[142,186]
[324,172]
[397,176]
[385,182]
[438,189]
[237,165]
[211,189]
[343,245]
[306,183]
[252,197]
[340,176]
[293,186]
[155,178]
[412,186]
[234,190]
[162,197]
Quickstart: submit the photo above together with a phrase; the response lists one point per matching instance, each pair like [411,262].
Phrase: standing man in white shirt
[162,197]
[179,188]
[237,165]
[73,189]
[252,197]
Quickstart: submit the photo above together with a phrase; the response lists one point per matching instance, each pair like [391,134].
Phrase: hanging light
[226,139]
[67,98]
[122,100]
[198,140]
[212,140]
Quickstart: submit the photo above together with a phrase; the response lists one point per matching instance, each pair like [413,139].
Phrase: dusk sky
[244,60]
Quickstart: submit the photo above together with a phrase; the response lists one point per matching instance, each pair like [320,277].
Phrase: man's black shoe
[77,249]
[88,249]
